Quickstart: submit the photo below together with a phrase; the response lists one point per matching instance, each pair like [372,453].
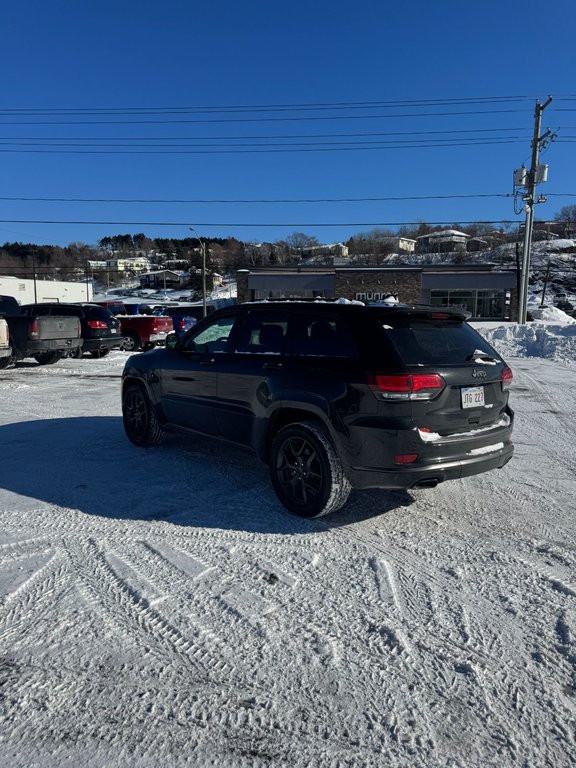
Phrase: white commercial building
[34,291]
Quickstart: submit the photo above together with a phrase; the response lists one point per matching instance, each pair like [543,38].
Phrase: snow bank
[551,335]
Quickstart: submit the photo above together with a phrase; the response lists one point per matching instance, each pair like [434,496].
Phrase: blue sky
[124,101]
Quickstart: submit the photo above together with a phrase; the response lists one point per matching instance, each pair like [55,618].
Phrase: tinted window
[264,333]
[421,341]
[213,338]
[322,336]
[98,313]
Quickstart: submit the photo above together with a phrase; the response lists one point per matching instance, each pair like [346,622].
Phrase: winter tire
[140,422]
[306,472]
[48,358]
[130,342]
[98,353]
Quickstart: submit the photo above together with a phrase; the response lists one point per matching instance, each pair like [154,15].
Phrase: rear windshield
[426,341]
[98,313]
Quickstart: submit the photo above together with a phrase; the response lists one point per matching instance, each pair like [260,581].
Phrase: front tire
[140,422]
[306,472]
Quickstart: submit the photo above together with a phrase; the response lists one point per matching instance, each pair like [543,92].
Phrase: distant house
[335,249]
[477,244]
[400,244]
[135,264]
[446,241]
[163,278]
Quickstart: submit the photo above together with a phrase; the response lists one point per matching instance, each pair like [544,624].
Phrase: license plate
[472,397]
[113,330]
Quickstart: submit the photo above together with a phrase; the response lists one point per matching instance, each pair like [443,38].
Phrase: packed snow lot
[160,608]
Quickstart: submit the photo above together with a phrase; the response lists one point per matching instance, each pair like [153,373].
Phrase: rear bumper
[429,475]
[371,454]
[52,345]
[90,345]
[158,338]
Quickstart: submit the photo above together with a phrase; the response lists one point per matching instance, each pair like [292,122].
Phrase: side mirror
[172,340]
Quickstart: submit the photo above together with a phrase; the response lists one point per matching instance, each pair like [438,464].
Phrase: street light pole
[203,252]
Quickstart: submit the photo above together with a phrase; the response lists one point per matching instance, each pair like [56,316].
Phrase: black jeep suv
[99,328]
[331,395]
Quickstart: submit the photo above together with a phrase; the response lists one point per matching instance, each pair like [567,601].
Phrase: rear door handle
[272,366]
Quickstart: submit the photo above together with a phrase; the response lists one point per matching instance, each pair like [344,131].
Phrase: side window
[323,336]
[213,338]
[264,333]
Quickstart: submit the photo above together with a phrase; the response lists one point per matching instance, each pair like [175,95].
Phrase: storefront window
[482,304]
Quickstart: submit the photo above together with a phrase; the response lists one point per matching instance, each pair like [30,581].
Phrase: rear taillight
[97,324]
[506,378]
[182,324]
[417,386]
[34,328]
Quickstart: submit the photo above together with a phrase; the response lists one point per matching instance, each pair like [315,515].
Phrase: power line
[262,119]
[275,136]
[266,107]
[253,224]
[266,149]
[248,201]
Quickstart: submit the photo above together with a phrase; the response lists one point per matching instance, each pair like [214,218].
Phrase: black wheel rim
[299,472]
[136,415]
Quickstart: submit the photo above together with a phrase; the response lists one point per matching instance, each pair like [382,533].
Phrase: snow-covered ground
[158,607]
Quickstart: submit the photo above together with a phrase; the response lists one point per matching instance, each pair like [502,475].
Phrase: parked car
[116,307]
[143,331]
[46,339]
[332,396]
[5,348]
[99,329]
[184,316]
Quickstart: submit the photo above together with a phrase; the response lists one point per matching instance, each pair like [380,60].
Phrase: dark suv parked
[99,328]
[332,396]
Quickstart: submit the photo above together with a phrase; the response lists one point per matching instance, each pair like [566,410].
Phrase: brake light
[97,324]
[418,386]
[506,378]
[182,324]
[34,328]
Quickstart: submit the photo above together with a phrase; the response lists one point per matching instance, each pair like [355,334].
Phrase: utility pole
[533,177]
[203,252]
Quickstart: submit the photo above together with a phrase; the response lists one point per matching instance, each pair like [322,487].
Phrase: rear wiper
[480,356]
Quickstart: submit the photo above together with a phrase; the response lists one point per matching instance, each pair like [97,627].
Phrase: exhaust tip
[430,482]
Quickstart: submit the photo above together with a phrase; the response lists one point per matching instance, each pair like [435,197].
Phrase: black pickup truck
[46,339]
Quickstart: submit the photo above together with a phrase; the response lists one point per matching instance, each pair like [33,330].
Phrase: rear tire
[48,358]
[98,353]
[131,342]
[306,472]
[140,422]
[7,362]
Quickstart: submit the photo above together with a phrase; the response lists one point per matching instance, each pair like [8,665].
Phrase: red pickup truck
[143,331]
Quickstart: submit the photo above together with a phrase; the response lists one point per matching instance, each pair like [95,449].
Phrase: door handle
[206,363]
[272,366]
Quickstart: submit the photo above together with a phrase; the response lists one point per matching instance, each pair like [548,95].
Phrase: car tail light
[405,458]
[97,324]
[182,324]
[506,378]
[418,386]
[34,328]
